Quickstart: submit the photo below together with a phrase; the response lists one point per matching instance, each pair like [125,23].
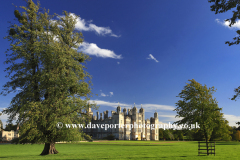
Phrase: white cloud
[93,49]
[227,23]
[111,94]
[118,62]
[153,107]
[232,119]
[103,95]
[19,89]
[4,117]
[151,57]
[170,118]
[83,25]
[109,104]
[146,107]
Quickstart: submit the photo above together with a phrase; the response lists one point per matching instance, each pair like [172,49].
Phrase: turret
[141,110]
[113,112]
[129,112]
[118,109]
[125,111]
[134,110]
[156,115]
[105,115]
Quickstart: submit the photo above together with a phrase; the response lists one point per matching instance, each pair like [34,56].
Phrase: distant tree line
[230,133]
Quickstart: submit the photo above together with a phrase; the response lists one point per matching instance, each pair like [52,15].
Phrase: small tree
[171,136]
[160,133]
[176,136]
[237,135]
[180,134]
[198,105]
[166,134]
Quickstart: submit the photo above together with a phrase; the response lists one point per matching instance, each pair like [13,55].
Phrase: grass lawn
[121,150]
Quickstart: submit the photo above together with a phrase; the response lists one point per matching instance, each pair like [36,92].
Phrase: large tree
[10,127]
[198,105]
[48,74]
[221,6]
[1,124]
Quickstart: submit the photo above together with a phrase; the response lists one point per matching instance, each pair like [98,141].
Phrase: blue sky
[144,52]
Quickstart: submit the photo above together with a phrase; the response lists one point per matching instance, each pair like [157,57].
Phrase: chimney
[107,113]
[97,115]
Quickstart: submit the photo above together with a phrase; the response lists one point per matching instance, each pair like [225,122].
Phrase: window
[148,130]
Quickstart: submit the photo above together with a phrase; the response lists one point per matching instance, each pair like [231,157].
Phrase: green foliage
[1,124]
[50,75]
[170,134]
[222,131]
[237,135]
[221,6]
[233,133]
[160,133]
[109,137]
[194,135]
[166,134]
[198,105]
[180,134]
[189,135]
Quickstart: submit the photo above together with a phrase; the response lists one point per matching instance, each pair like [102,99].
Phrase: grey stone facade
[127,118]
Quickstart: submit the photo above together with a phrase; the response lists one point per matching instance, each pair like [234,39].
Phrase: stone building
[127,118]
[10,135]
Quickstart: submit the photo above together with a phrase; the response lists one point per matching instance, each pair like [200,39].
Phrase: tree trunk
[49,148]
